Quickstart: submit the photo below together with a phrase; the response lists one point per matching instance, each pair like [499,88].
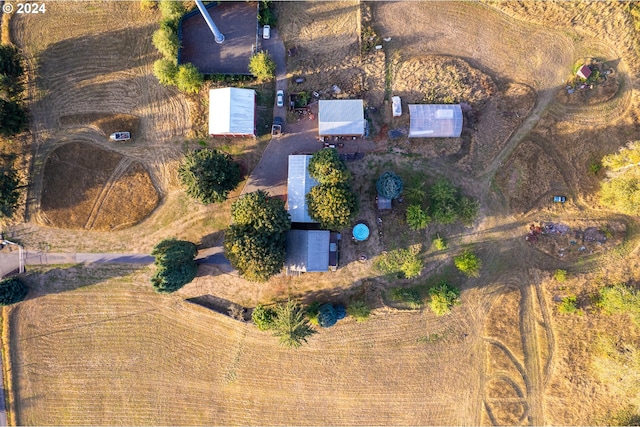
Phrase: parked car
[120,136]
[276,128]
[559,199]
[266,32]
[280,98]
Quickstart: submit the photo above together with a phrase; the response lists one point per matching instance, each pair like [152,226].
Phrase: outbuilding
[232,112]
[341,117]
[584,72]
[307,251]
[299,183]
[435,121]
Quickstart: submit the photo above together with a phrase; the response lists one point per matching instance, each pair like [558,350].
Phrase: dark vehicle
[299,79]
[276,128]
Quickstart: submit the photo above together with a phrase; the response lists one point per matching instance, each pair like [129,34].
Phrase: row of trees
[13,117]
[185,77]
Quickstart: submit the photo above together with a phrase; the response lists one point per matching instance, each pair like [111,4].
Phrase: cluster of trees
[288,323]
[402,262]
[448,205]
[13,117]
[209,175]
[255,242]
[185,77]
[621,190]
[332,203]
[12,290]
[175,265]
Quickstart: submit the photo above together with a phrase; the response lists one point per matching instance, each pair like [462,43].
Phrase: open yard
[94,344]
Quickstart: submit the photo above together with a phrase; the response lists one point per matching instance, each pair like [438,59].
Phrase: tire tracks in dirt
[118,171]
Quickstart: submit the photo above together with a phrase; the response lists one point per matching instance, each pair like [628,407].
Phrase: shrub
[439,243]
[568,305]
[263,317]
[165,39]
[359,310]
[262,66]
[408,296]
[326,167]
[327,315]
[12,290]
[560,275]
[417,218]
[389,185]
[341,311]
[209,175]
[171,9]
[621,299]
[404,261]
[267,15]
[312,313]
[291,326]
[148,4]
[176,265]
[165,71]
[13,119]
[9,194]
[189,79]
[332,206]
[467,210]
[468,263]
[442,298]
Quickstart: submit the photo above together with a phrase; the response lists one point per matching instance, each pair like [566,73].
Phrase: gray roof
[435,120]
[307,251]
[298,185]
[341,117]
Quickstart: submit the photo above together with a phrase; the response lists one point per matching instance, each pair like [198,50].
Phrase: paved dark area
[237,21]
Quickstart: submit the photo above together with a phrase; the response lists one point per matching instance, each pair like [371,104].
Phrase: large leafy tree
[389,185]
[165,71]
[332,206]
[326,167]
[12,290]
[262,66]
[209,175]
[188,79]
[165,39]
[443,297]
[291,325]
[176,265]
[255,243]
[443,201]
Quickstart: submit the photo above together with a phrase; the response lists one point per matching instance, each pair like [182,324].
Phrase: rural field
[93,344]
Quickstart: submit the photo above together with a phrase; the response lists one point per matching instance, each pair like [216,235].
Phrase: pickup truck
[276,128]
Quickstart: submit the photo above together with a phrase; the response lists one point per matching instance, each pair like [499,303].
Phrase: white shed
[299,183]
[341,117]
[435,120]
[397,106]
[232,112]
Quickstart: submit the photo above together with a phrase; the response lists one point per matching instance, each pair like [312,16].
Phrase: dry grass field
[94,344]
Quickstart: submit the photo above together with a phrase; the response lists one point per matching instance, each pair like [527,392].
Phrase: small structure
[360,232]
[435,120]
[307,251]
[299,183]
[396,106]
[341,117]
[232,112]
[584,72]
[383,203]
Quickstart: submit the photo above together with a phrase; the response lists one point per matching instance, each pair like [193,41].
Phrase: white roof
[232,111]
[341,117]
[435,120]
[397,106]
[298,185]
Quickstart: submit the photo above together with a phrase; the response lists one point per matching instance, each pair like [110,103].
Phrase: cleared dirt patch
[106,123]
[88,187]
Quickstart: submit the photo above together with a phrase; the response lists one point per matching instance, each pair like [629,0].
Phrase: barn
[232,112]
[435,120]
[299,183]
[341,117]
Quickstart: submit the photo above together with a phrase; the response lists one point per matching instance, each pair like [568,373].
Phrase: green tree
[9,193]
[175,265]
[439,243]
[263,317]
[443,202]
[13,118]
[165,39]
[468,263]
[262,213]
[467,209]
[621,299]
[404,261]
[209,175]
[11,71]
[359,310]
[560,275]
[262,66]
[389,185]
[189,79]
[12,290]
[443,297]
[257,256]
[417,218]
[332,206]
[326,167]
[622,193]
[171,9]
[165,71]
[291,325]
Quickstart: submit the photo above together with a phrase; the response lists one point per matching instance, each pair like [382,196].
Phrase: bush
[189,79]
[560,275]
[209,175]
[9,194]
[389,185]
[332,206]
[13,119]
[165,71]
[404,261]
[175,263]
[263,317]
[568,305]
[620,299]
[171,9]
[467,210]
[327,315]
[439,243]
[359,310]
[341,312]
[326,167]
[312,313]
[11,72]
[262,66]
[148,4]
[408,296]
[447,205]
[442,298]
[12,290]
[417,218]
[291,326]
[267,15]
[468,263]
[165,39]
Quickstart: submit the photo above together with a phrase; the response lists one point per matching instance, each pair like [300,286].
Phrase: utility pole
[216,32]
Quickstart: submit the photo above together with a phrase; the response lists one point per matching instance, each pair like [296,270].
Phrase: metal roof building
[299,183]
[307,251]
[341,117]
[435,120]
[232,112]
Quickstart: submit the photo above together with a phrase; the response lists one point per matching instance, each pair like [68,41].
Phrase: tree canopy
[9,194]
[332,206]
[209,175]
[261,212]
[165,39]
[326,167]
[389,185]
[448,205]
[11,71]
[621,189]
[468,263]
[417,218]
[188,79]
[12,290]
[291,325]
[443,297]
[262,66]
[175,263]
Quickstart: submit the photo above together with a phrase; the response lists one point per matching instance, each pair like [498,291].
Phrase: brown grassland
[92,344]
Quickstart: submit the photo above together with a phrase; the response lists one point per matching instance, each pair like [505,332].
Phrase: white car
[280,98]
[266,32]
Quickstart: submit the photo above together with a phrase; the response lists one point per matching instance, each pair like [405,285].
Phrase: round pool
[360,232]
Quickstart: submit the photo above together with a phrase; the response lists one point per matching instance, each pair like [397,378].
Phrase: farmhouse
[232,112]
[584,72]
[341,117]
[435,120]
[299,182]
